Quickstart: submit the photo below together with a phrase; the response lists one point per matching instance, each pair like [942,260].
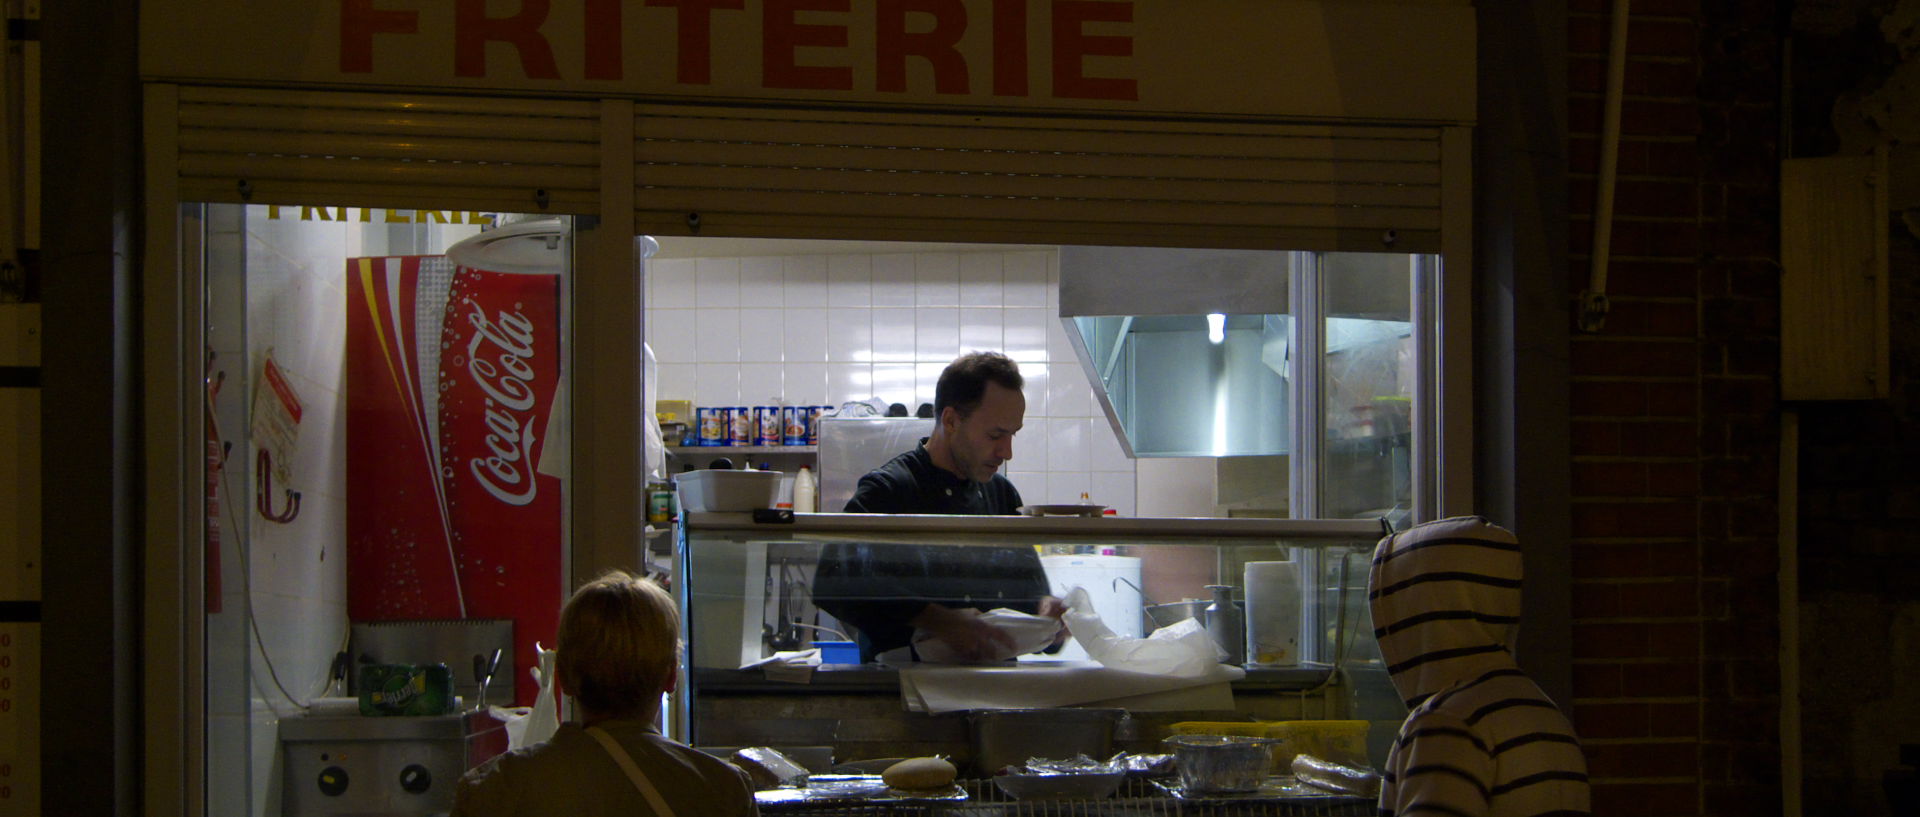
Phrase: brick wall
[1673,414]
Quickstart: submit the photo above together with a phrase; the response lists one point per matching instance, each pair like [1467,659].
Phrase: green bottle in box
[406,689]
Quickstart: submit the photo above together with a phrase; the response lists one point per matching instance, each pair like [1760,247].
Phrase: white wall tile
[894,383]
[1032,486]
[1104,449]
[1025,276]
[763,335]
[716,282]
[762,282]
[979,328]
[672,283]
[673,340]
[893,281]
[676,382]
[926,381]
[1025,334]
[717,384]
[1114,490]
[806,280]
[849,335]
[807,384]
[1059,348]
[1067,391]
[936,279]
[1030,445]
[893,340]
[805,335]
[936,333]
[1065,487]
[716,336]
[850,280]
[980,279]
[848,381]
[1035,390]
[762,384]
[1066,444]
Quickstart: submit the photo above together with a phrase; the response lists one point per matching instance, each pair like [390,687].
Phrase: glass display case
[751,589]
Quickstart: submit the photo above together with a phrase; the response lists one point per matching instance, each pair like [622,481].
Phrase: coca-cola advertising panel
[451,376]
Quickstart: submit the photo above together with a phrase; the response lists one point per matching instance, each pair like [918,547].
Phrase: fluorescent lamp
[1216,328]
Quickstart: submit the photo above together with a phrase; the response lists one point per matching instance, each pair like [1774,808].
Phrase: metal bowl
[1174,612]
[1090,786]
[1221,763]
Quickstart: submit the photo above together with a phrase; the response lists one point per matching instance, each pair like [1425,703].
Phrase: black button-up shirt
[880,588]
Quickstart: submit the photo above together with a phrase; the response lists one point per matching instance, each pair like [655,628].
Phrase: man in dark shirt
[889,591]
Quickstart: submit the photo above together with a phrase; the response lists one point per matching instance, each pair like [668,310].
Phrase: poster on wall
[451,378]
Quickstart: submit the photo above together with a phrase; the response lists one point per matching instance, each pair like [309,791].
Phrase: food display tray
[1138,797]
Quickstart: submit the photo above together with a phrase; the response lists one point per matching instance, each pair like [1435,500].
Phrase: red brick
[1645,520]
[1657,38]
[1661,439]
[1627,278]
[1673,479]
[1740,799]
[1636,157]
[1591,438]
[1609,640]
[1633,358]
[1641,760]
[1636,240]
[1646,799]
[1673,399]
[1592,680]
[1621,720]
[1740,395]
[1609,479]
[1661,319]
[1595,600]
[1675,720]
[1662,680]
[1660,600]
[1634,561]
[1677,640]
[1757,721]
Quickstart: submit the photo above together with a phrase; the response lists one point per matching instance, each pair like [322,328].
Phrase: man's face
[984,439]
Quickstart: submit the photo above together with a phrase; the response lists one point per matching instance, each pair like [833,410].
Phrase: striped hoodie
[1481,739]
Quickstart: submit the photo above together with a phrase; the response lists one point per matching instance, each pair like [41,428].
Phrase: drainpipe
[1593,301]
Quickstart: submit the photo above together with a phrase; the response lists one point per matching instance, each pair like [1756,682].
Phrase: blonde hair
[619,641]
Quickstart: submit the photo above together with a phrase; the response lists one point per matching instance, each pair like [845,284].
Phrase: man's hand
[962,630]
[1052,607]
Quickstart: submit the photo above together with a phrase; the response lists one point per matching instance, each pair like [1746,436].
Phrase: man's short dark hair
[964,382]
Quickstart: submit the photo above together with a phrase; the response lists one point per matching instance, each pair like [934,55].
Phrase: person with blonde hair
[619,650]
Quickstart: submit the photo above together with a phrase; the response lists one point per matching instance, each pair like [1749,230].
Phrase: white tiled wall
[827,329]
[277,287]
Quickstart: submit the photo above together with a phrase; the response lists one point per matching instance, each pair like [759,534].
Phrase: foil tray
[1275,789]
[856,788]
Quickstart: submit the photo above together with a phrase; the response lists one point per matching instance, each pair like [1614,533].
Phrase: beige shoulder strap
[634,774]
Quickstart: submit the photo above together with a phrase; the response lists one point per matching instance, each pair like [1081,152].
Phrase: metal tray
[1277,788]
[852,788]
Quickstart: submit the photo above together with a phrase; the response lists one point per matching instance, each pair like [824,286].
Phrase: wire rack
[1137,798]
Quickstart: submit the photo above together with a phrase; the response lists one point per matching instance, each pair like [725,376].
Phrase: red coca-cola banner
[451,375]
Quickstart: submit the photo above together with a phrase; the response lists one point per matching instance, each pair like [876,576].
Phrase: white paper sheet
[938,689]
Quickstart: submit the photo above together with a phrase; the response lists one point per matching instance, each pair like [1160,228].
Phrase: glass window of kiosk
[386,429]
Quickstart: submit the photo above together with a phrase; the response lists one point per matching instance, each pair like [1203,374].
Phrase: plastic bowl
[1093,786]
[728,490]
[1221,763]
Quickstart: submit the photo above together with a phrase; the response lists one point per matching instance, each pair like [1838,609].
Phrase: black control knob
[415,779]
[333,781]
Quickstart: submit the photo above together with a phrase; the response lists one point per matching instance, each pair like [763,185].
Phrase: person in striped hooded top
[1481,739]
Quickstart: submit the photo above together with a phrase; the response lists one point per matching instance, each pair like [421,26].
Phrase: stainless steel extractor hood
[1173,381]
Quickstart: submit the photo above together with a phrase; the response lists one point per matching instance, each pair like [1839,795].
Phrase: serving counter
[745,590]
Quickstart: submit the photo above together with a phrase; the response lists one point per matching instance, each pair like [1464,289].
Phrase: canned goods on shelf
[814,413]
[713,425]
[739,426]
[794,425]
[768,427]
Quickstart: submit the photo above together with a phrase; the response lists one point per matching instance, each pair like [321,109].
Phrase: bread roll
[920,773]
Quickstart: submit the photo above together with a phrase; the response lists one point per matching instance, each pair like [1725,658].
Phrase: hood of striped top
[1445,598]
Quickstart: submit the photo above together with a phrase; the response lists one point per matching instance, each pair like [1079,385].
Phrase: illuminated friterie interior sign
[378,215]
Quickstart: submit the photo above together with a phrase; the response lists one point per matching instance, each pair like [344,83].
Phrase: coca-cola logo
[503,373]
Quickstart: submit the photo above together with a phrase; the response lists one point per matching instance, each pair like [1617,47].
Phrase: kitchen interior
[1161,384]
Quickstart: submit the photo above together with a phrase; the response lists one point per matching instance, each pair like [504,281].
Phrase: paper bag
[1183,650]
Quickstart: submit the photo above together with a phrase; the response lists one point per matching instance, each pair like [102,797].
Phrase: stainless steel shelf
[679,450]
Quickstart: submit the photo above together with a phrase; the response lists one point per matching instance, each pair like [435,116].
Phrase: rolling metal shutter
[864,174]
[374,149]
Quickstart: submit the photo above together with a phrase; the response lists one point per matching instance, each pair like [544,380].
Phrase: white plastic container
[804,490]
[728,490]
[1273,613]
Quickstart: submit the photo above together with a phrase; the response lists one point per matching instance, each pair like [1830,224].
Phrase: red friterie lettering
[1072,45]
[359,21]
[473,29]
[894,44]
[693,37]
[781,37]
